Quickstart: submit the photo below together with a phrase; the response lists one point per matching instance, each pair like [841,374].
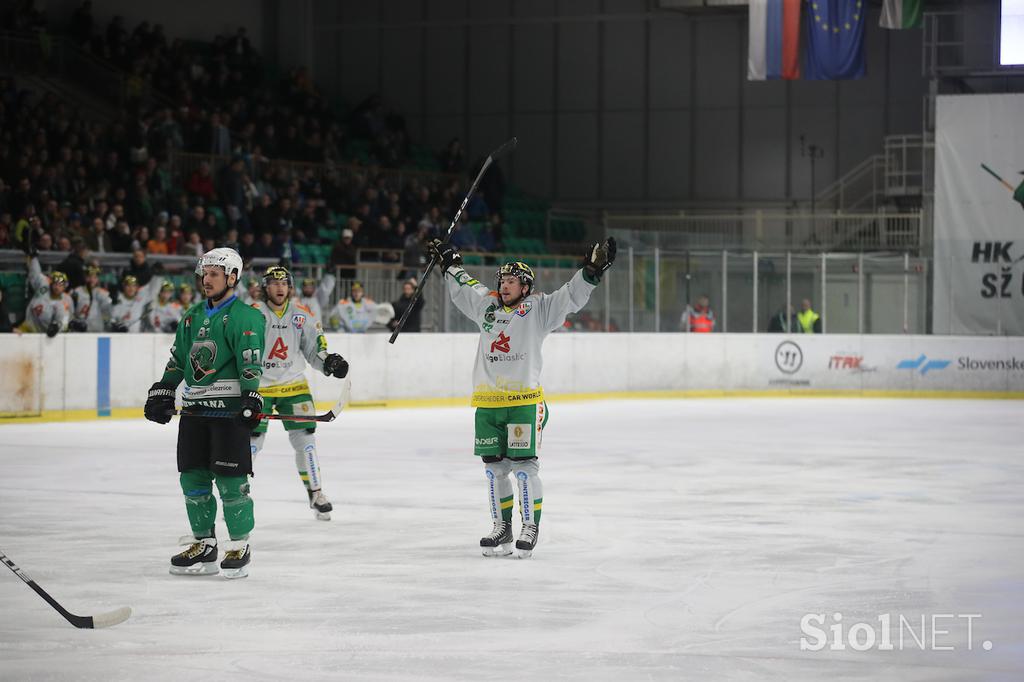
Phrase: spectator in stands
[344,253]
[412,324]
[453,158]
[220,136]
[780,325]
[266,247]
[193,245]
[140,268]
[810,321]
[73,265]
[698,318]
[158,244]
[431,221]
[412,256]
[121,237]
[200,184]
[247,246]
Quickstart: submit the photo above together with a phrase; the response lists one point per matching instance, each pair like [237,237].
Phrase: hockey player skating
[92,303]
[294,337]
[218,352]
[511,412]
[50,308]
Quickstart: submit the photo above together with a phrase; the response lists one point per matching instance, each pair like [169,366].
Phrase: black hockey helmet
[517,269]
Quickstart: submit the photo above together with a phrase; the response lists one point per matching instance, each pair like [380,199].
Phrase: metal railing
[793,231]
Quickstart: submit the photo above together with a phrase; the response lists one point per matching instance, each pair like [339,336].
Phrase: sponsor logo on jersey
[524,308]
[501,344]
[279,351]
[493,440]
[298,320]
[202,356]
[211,403]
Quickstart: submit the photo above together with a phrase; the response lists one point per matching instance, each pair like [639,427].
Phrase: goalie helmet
[277,273]
[517,269]
[225,258]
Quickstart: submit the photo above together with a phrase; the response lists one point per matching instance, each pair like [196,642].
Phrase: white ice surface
[679,540]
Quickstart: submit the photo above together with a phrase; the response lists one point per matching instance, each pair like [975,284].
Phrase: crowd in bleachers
[83,187]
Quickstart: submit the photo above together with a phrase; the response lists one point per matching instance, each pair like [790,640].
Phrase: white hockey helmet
[225,258]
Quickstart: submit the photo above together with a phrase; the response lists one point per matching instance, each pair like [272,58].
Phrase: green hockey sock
[506,508]
[234,493]
[200,504]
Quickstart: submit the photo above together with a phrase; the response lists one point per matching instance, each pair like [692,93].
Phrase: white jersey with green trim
[132,311]
[294,337]
[44,308]
[321,298]
[93,307]
[163,317]
[508,359]
[354,317]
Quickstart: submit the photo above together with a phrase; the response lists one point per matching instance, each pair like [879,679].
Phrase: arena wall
[85,376]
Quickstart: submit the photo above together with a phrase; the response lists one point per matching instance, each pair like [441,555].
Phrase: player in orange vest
[699,318]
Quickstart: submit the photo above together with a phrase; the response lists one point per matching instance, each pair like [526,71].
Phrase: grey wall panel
[445,55]
[670,63]
[489,56]
[625,6]
[326,12]
[861,129]
[447,10]
[623,65]
[570,8]
[716,151]
[577,66]
[485,133]
[533,160]
[577,155]
[440,129]
[533,78]
[622,155]
[490,10]
[760,94]
[764,153]
[358,72]
[818,125]
[399,11]
[355,12]
[325,67]
[669,155]
[401,81]
[720,45]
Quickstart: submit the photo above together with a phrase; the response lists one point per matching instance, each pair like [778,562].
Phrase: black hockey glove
[77,325]
[335,365]
[170,327]
[599,257]
[252,406]
[52,329]
[159,403]
[118,326]
[445,253]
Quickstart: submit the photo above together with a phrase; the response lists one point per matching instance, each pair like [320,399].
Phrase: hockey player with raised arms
[511,412]
[294,337]
[218,353]
[50,308]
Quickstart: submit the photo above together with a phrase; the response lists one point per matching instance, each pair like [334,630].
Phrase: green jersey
[219,353]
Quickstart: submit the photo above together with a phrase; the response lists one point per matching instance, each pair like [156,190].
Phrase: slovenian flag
[774,40]
[901,14]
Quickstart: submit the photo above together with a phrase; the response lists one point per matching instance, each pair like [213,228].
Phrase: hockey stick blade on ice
[508,146]
[328,416]
[101,620]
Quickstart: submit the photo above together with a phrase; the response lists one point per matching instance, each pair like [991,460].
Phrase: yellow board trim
[136,412]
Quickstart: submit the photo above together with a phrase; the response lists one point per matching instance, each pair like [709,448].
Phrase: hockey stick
[997,177]
[510,144]
[102,620]
[328,416]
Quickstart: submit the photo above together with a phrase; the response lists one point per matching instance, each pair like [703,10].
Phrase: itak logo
[501,344]
[924,364]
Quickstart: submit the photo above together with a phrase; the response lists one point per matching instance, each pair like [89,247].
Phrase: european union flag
[835,39]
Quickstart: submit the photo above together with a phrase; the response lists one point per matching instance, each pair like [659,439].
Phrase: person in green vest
[810,321]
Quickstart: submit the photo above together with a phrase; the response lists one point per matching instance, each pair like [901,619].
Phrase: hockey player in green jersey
[511,412]
[218,352]
[294,337]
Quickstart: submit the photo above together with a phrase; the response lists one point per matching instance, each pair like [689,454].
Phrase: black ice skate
[236,559]
[320,505]
[200,558]
[499,542]
[527,540]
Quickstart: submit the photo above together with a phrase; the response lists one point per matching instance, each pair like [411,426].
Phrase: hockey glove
[160,403]
[252,406]
[52,329]
[118,326]
[446,254]
[335,365]
[599,258]
[77,325]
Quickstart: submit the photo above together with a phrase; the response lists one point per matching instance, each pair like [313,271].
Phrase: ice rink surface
[680,540]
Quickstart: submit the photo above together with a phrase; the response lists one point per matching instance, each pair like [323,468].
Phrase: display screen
[1011,33]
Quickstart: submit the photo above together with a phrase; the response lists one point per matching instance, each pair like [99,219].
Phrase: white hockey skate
[199,558]
[320,505]
[237,556]
[499,542]
[527,540]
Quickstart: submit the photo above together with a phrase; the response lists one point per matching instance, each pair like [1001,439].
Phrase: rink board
[84,376]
